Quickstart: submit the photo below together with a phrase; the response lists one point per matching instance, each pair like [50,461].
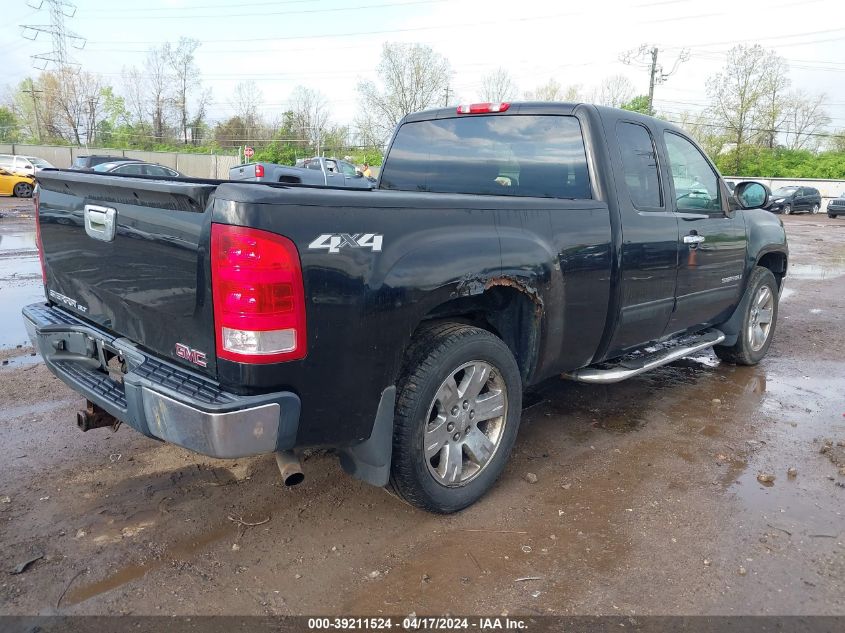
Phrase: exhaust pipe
[93,417]
[290,468]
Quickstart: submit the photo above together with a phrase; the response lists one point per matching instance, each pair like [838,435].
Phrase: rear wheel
[816,209]
[758,323]
[23,190]
[831,215]
[457,417]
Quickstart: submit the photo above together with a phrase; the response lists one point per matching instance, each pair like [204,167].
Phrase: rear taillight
[259,300]
[259,171]
[36,197]
[483,108]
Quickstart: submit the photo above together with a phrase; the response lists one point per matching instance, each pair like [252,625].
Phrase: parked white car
[28,165]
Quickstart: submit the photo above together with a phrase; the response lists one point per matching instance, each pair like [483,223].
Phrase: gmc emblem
[194,356]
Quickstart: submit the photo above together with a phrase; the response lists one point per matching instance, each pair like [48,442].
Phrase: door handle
[693,240]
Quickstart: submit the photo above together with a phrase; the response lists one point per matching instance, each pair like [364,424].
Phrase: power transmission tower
[33,92]
[646,57]
[58,10]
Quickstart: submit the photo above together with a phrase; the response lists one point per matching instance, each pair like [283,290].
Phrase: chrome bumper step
[630,366]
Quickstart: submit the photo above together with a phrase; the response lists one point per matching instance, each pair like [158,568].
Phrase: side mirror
[752,195]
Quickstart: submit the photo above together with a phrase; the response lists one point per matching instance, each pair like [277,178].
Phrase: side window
[696,184]
[155,170]
[331,166]
[639,165]
[133,170]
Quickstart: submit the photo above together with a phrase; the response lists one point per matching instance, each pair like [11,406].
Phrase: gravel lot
[646,500]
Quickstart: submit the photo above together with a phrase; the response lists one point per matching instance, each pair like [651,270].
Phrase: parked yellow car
[19,185]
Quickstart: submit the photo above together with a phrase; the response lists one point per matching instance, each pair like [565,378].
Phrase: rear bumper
[158,398]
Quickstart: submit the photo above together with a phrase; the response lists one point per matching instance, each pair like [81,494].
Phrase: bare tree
[737,94]
[614,91]
[246,100]
[157,86]
[773,112]
[411,77]
[135,93]
[180,58]
[805,119]
[553,91]
[310,115]
[701,126]
[498,86]
[72,104]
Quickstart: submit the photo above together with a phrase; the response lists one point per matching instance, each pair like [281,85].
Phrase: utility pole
[32,92]
[646,57]
[652,74]
[447,92]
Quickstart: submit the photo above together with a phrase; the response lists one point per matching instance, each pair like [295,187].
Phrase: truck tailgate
[130,255]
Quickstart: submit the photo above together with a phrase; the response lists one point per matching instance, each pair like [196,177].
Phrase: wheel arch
[775,261]
[506,308]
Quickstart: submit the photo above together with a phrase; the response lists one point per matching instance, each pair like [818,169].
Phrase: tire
[832,216]
[816,208]
[23,190]
[425,403]
[750,348]
[787,209]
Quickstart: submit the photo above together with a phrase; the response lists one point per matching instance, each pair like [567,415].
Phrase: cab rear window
[516,155]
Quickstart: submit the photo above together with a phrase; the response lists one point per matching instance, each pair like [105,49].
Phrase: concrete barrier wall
[194,165]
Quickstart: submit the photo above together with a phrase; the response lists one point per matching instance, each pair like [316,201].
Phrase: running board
[629,367]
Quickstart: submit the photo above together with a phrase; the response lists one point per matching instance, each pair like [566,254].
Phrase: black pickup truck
[504,244]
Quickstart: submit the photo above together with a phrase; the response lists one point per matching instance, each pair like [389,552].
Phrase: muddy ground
[646,500]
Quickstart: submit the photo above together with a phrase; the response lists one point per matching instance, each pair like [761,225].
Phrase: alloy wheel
[465,423]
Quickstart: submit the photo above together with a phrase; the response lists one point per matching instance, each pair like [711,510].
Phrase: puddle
[23,241]
[132,572]
[20,285]
[21,360]
[816,272]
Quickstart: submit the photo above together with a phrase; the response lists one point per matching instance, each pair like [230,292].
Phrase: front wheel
[23,190]
[816,209]
[457,416]
[758,323]
[787,209]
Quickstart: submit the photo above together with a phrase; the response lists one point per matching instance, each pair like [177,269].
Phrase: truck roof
[539,107]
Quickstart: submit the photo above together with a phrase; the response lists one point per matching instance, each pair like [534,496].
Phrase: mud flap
[733,326]
[370,460]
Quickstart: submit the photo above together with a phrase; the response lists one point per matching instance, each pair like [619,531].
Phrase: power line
[59,10]
[251,14]
[415,29]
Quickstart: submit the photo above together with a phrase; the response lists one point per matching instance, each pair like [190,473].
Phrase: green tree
[637,104]
[9,125]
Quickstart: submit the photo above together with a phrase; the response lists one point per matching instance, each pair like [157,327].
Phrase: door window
[639,165]
[133,170]
[696,184]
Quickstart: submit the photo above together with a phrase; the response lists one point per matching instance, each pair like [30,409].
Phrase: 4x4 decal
[333,242]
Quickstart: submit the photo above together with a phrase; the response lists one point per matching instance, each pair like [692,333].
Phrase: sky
[332,45]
